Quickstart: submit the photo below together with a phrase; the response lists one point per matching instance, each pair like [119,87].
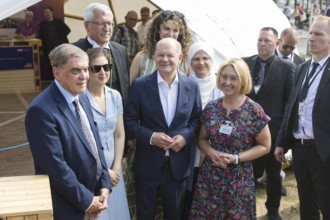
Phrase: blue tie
[261,75]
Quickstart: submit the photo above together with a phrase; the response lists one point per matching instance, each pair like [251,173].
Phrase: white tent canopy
[231,27]
[10,7]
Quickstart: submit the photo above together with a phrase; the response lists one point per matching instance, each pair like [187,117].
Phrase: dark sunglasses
[97,68]
[168,13]
[285,47]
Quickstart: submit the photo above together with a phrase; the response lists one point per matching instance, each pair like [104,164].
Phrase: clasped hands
[99,203]
[166,142]
[221,159]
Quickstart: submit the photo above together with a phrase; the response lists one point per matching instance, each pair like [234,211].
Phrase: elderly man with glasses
[98,22]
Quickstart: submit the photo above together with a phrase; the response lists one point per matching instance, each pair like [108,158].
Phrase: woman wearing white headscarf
[201,61]
[202,69]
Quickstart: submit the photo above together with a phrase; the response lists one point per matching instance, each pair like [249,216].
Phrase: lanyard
[315,75]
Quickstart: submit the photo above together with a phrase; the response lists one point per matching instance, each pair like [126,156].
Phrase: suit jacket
[61,151]
[321,109]
[275,90]
[298,59]
[119,56]
[144,115]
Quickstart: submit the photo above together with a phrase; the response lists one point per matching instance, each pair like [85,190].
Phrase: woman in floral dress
[234,132]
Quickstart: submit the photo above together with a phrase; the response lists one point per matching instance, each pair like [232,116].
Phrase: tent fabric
[10,7]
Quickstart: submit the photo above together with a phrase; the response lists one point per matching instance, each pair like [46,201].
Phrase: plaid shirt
[122,36]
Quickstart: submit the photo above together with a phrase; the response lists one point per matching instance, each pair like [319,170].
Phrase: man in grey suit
[98,22]
[162,114]
[273,80]
[62,149]
[306,125]
[288,41]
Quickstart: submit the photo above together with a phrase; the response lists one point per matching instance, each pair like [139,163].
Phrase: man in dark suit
[273,80]
[162,114]
[306,125]
[288,41]
[61,149]
[98,22]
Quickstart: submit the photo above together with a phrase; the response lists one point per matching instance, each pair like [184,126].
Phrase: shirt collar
[161,80]
[96,45]
[67,95]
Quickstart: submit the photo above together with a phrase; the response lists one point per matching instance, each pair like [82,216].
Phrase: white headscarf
[208,84]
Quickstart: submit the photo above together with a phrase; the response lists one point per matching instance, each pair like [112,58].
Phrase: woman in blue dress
[108,114]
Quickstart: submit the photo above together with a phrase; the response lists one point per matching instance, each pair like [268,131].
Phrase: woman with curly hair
[165,24]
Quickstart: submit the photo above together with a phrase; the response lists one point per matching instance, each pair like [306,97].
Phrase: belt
[306,142]
[166,158]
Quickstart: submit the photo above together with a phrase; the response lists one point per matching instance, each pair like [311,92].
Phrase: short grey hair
[96,7]
[61,54]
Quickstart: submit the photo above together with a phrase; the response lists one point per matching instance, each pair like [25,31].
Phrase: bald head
[289,39]
[131,19]
[168,56]
[170,43]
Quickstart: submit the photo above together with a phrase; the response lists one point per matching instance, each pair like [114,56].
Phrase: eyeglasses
[231,78]
[102,24]
[285,47]
[168,13]
[97,68]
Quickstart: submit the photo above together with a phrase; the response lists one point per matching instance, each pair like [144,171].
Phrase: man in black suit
[273,80]
[306,125]
[98,22]
[288,41]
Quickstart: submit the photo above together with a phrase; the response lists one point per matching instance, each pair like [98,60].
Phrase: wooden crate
[25,198]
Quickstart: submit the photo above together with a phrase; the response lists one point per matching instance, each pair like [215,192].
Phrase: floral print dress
[228,193]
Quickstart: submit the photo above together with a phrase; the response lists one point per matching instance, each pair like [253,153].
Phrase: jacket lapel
[323,83]
[68,114]
[183,98]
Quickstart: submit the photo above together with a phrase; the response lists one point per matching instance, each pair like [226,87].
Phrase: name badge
[226,128]
[301,108]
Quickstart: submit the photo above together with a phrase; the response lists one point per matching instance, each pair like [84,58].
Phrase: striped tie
[82,119]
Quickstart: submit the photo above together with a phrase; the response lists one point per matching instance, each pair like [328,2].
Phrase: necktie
[285,57]
[261,75]
[303,93]
[82,119]
[305,87]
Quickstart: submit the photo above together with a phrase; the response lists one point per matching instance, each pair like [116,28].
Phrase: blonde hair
[243,72]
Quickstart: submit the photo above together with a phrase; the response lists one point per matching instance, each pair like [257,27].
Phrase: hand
[162,140]
[114,177]
[279,154]
[220,159]
[178,143]
[97,206]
